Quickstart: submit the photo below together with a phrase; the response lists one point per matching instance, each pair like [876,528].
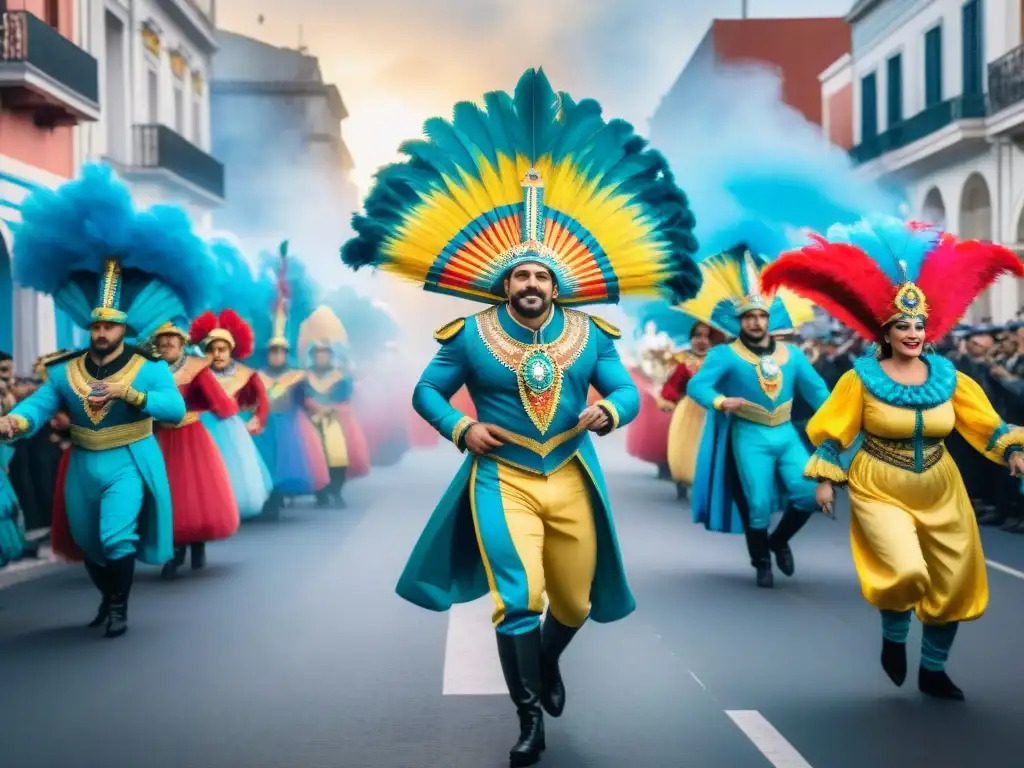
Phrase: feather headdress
[101,260]
[533,177]
[322,330]
[227,326]
[288,295]
[880,269]
[233,283]
[666,318]
[732,282]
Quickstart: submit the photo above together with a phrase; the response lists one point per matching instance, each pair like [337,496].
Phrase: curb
[28,569]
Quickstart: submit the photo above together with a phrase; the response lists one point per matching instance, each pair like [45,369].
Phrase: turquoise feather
[889,241]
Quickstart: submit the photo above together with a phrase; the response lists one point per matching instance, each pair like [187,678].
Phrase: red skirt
[647,435]
[355,443]
[60,532]
[201,493]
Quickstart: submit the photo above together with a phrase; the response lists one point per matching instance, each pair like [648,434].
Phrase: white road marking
[471,665]
[1005,569]
[770,742]
[697,679]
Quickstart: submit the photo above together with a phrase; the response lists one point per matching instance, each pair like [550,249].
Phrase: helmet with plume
[322,331]
[531,177]
[285,288]
[881,269]
[85,245]
[732,282]
[227,326]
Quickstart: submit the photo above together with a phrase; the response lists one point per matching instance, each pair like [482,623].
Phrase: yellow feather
[722,281]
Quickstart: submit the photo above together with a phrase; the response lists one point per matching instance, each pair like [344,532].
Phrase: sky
[399,62]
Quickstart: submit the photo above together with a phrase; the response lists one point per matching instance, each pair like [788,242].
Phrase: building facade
[937,91]
[48,85]
[798,49]
[273,104]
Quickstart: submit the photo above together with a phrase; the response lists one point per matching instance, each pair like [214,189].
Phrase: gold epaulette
[607,327]
[449,331]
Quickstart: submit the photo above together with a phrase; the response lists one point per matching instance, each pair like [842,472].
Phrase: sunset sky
[398,62]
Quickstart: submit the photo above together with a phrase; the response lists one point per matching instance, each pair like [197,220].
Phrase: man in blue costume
[752,457]
[125,267]
[528,514]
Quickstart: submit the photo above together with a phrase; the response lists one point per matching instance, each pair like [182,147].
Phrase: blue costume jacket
[537,414]
[742,455]
[117,496]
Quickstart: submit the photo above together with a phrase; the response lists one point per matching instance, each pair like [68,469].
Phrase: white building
[154,127]
[937,92]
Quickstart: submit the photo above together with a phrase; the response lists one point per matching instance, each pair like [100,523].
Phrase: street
[292,650]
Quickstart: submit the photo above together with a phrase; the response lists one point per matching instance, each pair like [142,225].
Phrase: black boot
[894,660]
[680,492]
[323,498]
[101,580]
[790,524]
[938,685]
[664,473]
[122,573]
[272,509]
[338,476]
[760,557]
[521,662]
[198,556]
[170,569]
[555,637]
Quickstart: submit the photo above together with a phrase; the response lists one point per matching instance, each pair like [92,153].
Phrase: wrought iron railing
[157,146]
[924,123]
[27,38]
[1006,80]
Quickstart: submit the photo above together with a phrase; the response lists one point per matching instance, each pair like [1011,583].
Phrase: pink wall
[49,150]
[840,117]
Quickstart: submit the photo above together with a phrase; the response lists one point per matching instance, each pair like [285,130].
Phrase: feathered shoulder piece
[878,270]
[226,326]
[531,176]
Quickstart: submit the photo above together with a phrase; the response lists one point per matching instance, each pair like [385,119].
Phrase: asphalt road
[292,651]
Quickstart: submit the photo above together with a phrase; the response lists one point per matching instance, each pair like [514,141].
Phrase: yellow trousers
[536,535]
[332,437]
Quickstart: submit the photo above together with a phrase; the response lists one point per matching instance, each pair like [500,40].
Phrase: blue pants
[765,455]
[104,493]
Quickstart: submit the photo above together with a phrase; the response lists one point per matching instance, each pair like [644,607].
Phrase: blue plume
[233,283]
[165,246]
[889,241]
[763,237]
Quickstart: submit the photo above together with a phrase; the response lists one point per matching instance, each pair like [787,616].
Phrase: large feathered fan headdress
[869,274]
[102,261]
[531,177]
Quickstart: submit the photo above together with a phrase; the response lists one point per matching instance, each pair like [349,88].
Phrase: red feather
[201,327]
[240,330]
[955,273]
[841,279]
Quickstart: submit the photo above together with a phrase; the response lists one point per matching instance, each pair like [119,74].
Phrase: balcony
[941,127]
[1006,93]
[196,18]
[159,154]
[44,74]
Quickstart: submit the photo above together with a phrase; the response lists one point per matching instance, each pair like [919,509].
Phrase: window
[868,107]
[197,120]
[153,95]
[51,13]
[933,66]
[972,45]
[894,90]
[179,109]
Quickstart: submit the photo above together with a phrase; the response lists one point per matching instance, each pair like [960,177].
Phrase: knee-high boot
[122,574]
[790,524]
[101,580]
[555,637]
[521,663]
[760,556]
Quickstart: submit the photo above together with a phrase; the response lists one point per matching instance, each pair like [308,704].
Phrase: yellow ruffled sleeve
[979,423]
[834,428]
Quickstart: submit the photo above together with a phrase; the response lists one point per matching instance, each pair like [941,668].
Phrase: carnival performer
[322,338]
[913,532]
[647,436]
[751,456]
[289,442]
[201,493]
[550,207]
[118,273]
[226,340]
[687,423]
[12,534]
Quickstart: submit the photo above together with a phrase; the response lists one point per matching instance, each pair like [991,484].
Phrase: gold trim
[191,417]
[771,387]
[717,402]
[513,354]
[21,421]
[277,388]
[191,368]
[612,410]
[110,437]
[460,428]
[135,398]
[81,383]
[761,415]
[535,446]
[1015,436]
[322,384]
[607,327]
[449,331]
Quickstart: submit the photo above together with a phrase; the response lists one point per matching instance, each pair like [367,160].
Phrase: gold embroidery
[81,384]
[449,331]
[760,415]
[461,426]
[278,387]
[535,446]
[539,368]
[767,367]
[322,384]
[110,437]
[612,410]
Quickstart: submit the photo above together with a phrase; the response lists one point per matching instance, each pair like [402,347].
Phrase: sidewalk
[31,568]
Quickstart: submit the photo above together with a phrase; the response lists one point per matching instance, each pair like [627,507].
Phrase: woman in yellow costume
[914,538]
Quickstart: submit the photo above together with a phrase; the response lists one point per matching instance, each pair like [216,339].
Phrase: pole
[745,9]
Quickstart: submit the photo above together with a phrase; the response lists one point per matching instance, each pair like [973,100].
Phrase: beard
[104,345]
[755,337]
[527,311]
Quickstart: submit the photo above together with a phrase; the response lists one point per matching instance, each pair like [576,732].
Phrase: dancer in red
[201,493]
